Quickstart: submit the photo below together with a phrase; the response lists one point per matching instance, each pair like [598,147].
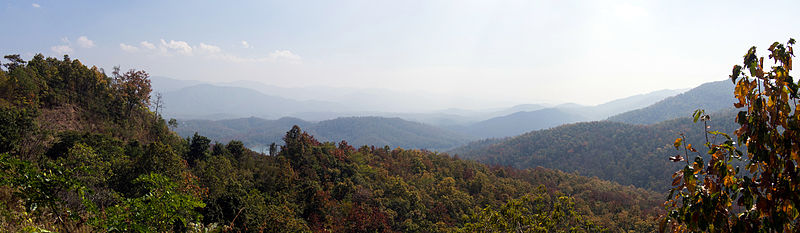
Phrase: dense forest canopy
[81,151]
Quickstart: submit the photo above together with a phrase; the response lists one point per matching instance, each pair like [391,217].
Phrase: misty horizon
[494,54]
[439,103]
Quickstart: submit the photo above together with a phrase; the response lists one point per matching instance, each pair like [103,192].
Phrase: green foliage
[161,209]
[719,196]
[198,148]
[133,88]
[531,213]
[15,125]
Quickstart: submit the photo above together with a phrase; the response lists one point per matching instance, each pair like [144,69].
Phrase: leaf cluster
[760,196]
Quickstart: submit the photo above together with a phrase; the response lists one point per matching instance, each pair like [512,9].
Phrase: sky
[509,52]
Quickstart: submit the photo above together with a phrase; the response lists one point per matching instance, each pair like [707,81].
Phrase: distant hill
[190,99]
[204,101]
[356,99]
[165,84]
[618,106]
[254,132]
[521,122]
[624,153]
[541,118]
[379,131]
[713,96]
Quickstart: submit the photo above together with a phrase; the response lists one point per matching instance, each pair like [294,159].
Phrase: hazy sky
[586,52]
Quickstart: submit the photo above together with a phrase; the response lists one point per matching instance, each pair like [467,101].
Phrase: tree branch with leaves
[719,196]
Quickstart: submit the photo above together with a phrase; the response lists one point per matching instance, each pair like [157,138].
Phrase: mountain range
[188,100]
[712,96]
[258,133]
[524,121]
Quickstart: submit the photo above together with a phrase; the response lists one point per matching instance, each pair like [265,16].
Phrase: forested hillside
[82,152]
[711,97]
[624,153]
[378,131]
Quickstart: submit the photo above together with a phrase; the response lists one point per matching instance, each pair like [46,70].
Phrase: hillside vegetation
[111,164]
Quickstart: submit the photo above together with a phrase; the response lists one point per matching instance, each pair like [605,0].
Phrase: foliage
[198,148]
[762,197]
[530,213]
[133,88]
[15,124]
[159,210]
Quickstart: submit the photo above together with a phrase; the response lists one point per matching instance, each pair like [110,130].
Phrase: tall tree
[198,148]
[133,87]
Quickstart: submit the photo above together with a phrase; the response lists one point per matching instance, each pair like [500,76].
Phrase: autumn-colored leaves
[767,191]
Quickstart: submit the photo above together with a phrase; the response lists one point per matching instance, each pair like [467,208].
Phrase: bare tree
[158,103]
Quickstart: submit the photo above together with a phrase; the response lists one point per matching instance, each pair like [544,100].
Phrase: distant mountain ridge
[711,97]
[378,131]
[541,118]
[204,100]
[187,99]
[521,122]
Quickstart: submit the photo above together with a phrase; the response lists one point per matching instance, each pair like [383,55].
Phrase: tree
[158,103]
[173,123]
[273,149]
[198,148]
[717,196]
[298,144]
[133,88]
[236,148]
[15,61]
